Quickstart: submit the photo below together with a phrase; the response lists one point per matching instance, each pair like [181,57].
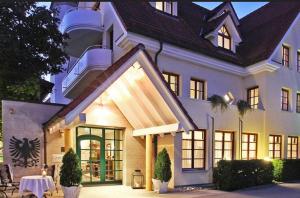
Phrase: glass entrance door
[101,154]
[91,158]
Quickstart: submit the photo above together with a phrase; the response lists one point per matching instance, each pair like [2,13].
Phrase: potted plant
[70,175]
[243,106]
[162,172]
[216,101]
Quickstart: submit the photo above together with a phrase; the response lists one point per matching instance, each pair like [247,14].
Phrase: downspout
[212,140]
[45,146]
[158,52]
[155,136]
[240,136]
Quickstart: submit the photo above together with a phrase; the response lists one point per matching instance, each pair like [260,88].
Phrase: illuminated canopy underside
[136,90]
[141,104]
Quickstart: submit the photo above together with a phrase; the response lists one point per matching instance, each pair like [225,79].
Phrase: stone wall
[23,130]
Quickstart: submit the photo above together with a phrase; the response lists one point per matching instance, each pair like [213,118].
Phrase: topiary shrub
[162,169]
[237,174]
[70,172]
[286,169]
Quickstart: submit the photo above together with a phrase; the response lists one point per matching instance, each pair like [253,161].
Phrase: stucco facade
[132,98]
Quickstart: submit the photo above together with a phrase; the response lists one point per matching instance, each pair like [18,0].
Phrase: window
[298,103]
[166,6]
[111,38]
[285,56]
[224,142]
[298,61]
[197,89]
[193,150]
[275,146]
[249,146]
[252,97]
[292,147]
[284,99]
[224,39]
[173,81]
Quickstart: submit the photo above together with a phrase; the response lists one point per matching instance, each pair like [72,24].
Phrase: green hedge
[237,174]
[286,169]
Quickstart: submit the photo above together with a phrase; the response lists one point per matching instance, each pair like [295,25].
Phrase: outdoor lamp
[44,170]
[137,180]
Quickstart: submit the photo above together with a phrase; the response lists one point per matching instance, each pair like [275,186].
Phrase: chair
[6,180]
[51,172]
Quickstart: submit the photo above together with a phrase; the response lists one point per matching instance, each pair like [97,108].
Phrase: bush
[286,169]
[70,172]
[162,169]
[237,174]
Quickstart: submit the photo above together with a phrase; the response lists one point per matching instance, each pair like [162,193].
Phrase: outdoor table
[37,184]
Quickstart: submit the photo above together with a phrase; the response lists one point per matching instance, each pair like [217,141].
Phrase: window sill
[193,170]
[197,99]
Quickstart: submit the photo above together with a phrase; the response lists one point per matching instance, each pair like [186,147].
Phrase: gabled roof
[263,29]
[186,30]
[220,7]
[106,75]
[141,18]
[213,24]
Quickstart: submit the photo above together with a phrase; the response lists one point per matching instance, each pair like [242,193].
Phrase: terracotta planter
[71,192]
[160,187]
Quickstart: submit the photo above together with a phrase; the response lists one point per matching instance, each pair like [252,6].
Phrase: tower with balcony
[89,53]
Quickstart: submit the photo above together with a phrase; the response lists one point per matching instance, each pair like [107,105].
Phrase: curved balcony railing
[81,18]
[95,57]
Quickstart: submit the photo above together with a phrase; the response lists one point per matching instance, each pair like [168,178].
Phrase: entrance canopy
[135,86]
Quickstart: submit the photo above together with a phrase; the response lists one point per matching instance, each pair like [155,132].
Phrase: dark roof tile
[187,29]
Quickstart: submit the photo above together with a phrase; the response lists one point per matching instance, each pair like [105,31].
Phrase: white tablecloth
[37,184]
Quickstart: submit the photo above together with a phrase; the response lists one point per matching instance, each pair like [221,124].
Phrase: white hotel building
[138,80]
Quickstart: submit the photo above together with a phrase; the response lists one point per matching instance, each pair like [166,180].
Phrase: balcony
[93,61]
[84,27]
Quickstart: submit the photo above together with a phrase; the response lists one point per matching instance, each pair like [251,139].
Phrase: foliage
[1,134]
[31,46]
[217,101]
[70,172]
[162,169]
[237,174]
[243,106]
[286,169]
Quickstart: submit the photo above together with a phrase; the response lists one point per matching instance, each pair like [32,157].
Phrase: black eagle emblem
[24,153]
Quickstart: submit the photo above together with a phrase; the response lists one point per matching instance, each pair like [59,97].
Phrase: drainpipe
[45,146]
[155,60]
[240,134]
[212,139]
[159,51]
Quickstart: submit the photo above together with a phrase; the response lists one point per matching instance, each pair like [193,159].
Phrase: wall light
[228,97]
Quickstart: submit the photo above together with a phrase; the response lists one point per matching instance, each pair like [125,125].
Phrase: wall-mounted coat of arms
[25,152]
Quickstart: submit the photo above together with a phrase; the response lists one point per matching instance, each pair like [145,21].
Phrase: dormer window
[169,7]
[224,39]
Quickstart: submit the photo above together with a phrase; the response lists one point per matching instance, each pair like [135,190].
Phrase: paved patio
[290,190]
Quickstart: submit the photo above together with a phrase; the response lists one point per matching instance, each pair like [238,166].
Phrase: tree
[70,171]
[162,167]
[31,46]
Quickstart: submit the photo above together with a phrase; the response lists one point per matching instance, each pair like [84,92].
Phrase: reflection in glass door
[101,155]
[90,153]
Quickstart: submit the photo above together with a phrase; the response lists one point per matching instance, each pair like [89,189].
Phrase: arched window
[224,39]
